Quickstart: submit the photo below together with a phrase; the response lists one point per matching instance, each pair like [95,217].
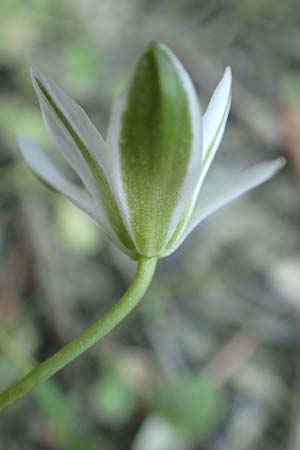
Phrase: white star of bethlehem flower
[142,185]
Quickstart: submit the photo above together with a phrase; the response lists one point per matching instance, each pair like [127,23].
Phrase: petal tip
[279,163]
[27,147]
[227,77]
[37,77]
[22,142]
[153,44]
[228,72]
[34,73]
[20,139]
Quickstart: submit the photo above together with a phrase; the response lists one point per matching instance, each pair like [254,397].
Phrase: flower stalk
[93,334]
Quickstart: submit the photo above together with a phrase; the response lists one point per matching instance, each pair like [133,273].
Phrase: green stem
[89,337]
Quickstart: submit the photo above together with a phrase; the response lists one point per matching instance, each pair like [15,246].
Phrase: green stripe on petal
[155,145]
[99,177]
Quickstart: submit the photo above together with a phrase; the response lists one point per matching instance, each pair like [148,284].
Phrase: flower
[143,184]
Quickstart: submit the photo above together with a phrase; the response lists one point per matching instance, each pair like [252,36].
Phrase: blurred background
[211,358]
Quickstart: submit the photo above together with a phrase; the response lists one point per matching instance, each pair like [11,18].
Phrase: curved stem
[89,337]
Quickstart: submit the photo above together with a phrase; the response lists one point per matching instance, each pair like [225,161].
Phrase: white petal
[113,135]
[80,124]
[41,165]
[214,121]
[191,180]
[45,169]
[83,148]
[223,194]
[194,166]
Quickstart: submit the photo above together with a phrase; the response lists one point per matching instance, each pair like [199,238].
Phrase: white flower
[143,184]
